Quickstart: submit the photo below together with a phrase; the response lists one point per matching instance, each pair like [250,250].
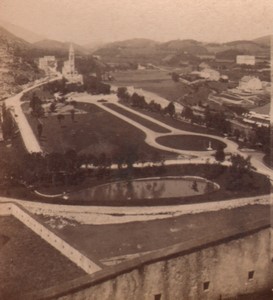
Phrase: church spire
[72,60]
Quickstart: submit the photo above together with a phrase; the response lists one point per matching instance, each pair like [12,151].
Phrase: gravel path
[115,215]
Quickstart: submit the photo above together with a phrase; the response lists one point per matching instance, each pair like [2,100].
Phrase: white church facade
[69,71]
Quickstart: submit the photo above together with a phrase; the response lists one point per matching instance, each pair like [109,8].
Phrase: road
[117,215]
[14,103]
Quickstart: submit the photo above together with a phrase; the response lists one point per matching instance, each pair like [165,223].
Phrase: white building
[48,64]
[69,71]
[208,74]
[250,83]
[245,60]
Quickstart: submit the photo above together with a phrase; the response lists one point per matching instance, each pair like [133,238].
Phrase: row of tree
[7,124]
[139,101]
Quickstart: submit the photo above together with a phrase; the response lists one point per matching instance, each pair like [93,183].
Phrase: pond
[147,188]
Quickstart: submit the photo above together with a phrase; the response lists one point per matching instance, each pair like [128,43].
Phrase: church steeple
[72,60]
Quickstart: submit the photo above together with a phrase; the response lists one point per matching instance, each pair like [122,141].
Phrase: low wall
[71,253]
[238,264]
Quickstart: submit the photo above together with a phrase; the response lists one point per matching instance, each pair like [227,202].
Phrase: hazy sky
[85,21]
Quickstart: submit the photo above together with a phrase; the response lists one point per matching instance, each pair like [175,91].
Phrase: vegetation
[240,174]
[149,124]
[190,142]
[93,85]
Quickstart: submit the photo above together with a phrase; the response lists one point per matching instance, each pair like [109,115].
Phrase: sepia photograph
[136,154]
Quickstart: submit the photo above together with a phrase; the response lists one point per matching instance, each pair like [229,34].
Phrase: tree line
[139,101]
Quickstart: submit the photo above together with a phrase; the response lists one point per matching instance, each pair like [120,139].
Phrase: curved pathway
[117,215]
[151,135]
[14,103]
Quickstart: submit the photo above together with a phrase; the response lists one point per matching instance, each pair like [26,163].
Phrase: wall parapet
[168,253]
[50,237]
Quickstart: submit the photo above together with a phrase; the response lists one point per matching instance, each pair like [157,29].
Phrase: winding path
[14,103]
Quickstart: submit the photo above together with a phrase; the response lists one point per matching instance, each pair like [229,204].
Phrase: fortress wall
[208,272]
[71,253]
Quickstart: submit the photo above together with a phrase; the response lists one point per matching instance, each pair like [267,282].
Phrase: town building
[48,64]
[245,60]
[69,71]
[208,74]
[250,83]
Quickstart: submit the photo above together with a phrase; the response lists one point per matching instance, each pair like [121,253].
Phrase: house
[208,74]
[48,64]
[250,83]
[245,60]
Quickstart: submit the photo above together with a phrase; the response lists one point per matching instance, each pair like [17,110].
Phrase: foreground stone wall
[225,269]
[50,237]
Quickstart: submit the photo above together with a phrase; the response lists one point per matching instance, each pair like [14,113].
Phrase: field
[175,122]
[155,81]
[28,263]
[189,142]
[160,83]
[150,125]
[95,132]
[265,109]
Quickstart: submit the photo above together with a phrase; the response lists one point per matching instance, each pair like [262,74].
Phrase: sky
[92,21]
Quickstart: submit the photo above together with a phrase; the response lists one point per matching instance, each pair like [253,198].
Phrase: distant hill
[132,43]
[21,32]
[189,46]
[15,68]
[7,39]
[264,40]
[57,46]
[143,50]
[246,46]
[133,50]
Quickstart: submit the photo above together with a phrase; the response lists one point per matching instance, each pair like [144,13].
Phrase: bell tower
[72,60]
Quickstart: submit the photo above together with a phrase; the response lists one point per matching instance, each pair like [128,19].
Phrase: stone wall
[50,237]
[227,268]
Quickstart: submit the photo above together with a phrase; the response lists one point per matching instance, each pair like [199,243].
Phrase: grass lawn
[150,125]
[265,109]
[189,142]
[135,237]
[95,132]
[174,122]
[28,263]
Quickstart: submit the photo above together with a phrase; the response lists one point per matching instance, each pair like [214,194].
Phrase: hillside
[15,69]
[53,47]
[264,40]
[189,46]
[132,43]
[21,32]
[142,50]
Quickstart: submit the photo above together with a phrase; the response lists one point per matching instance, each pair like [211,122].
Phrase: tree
[175,77]
[194,186]
[40,130]
[60,117]
[72,114]
[52,107]
[220,154]
[187,113]
[36,106]
[122,93]
[240,177]
[7,123]
[170,109]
